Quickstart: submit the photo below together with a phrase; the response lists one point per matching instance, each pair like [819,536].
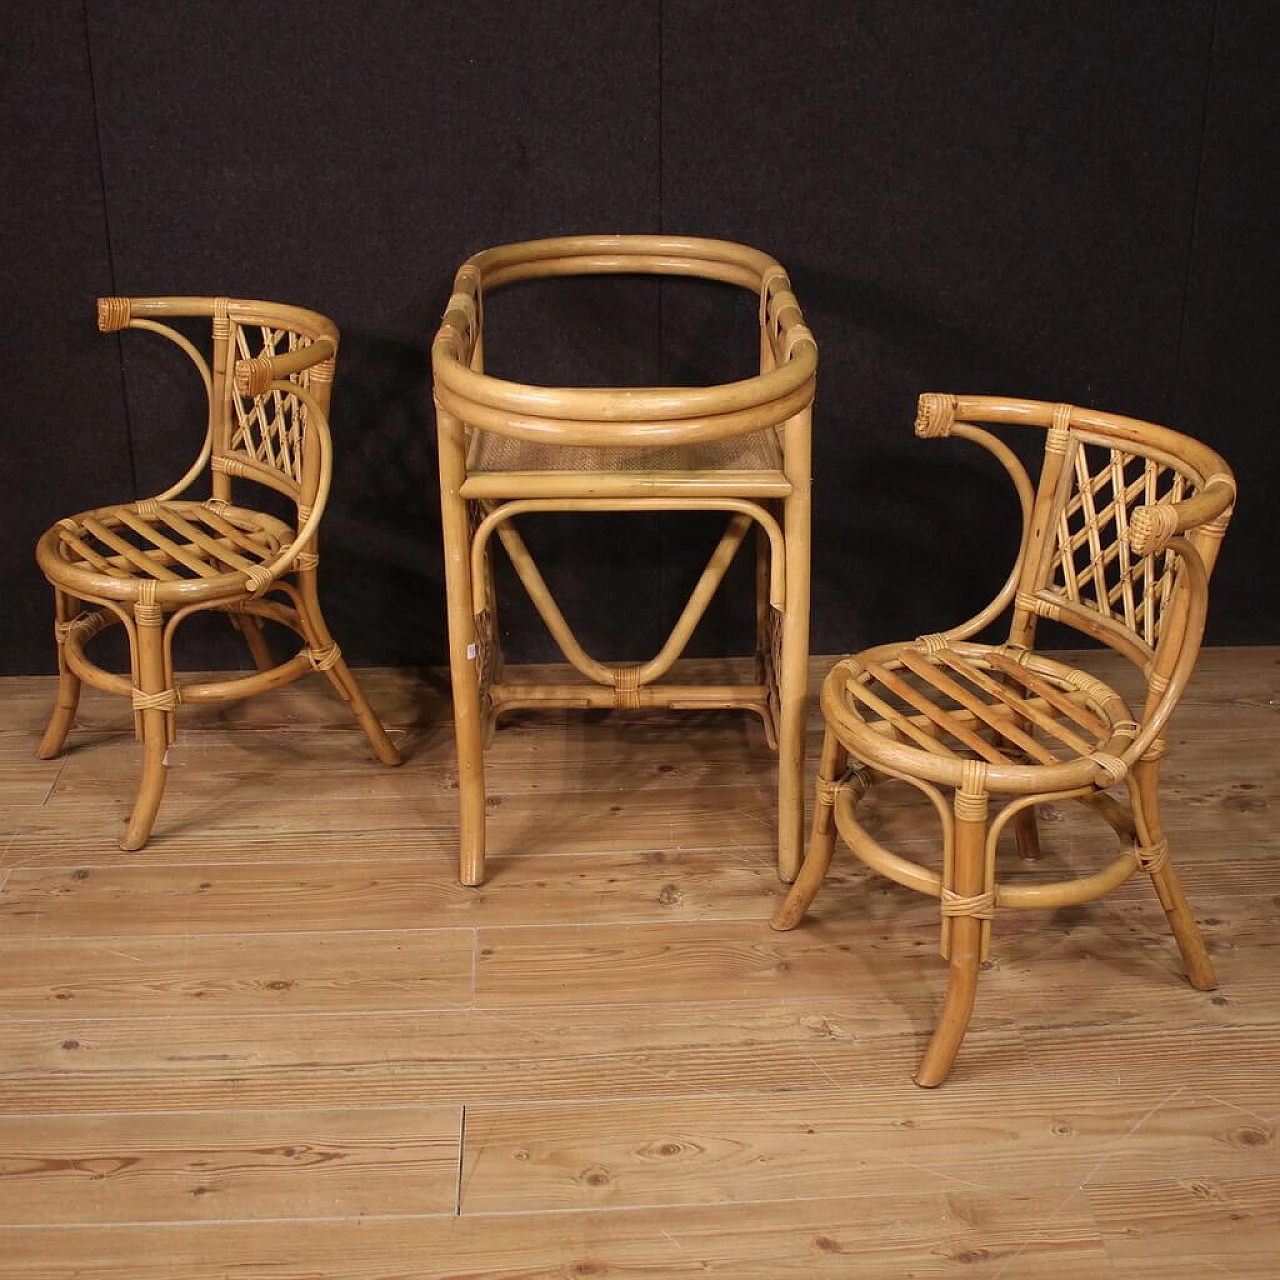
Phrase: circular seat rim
[872,748]
[88,583]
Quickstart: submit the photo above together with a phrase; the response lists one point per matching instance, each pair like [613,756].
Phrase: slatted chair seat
[1118,541]
[1020,712]
[147,565]
[212,547]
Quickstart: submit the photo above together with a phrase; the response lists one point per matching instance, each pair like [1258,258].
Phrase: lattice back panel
[269,429]
[1088,561]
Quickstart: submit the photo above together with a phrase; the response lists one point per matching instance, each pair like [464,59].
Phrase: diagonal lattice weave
[268,428]
[1092,564]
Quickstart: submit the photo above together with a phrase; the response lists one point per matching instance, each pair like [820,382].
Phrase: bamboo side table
[510,449]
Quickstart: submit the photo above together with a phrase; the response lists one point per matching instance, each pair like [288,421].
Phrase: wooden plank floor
[283,1042]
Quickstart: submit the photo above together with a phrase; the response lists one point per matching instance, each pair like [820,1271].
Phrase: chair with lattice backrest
[148,565]
[1118,541]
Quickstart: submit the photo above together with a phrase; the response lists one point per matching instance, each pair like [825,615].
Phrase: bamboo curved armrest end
[113,314]
[935,415]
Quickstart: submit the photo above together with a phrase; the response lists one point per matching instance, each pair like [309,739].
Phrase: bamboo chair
[1118,542]
[508,449]
[149,565]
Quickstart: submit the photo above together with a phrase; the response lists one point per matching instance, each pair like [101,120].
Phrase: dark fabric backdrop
[1072,201]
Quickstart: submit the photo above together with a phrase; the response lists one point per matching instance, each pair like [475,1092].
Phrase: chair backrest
[269,383]
[1122,532]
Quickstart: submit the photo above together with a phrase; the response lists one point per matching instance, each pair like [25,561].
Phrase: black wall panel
[65,441]
[348,158]
[1064,200]
[983,197]
[1228,348]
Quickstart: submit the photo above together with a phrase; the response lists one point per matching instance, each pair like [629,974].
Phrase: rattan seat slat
[180,554]
[76,551]
[940,716]
[127,554]
[233,534]
[69,541]
[1051,694]
[944,684]
[228,553]
[1031,709]
[120,567]
[895,720]
[1119,538]
[213,548]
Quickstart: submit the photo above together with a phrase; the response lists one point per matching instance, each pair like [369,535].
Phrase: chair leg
[963,913]
[1144,782]
[791,726]
[1026,829]
[149,666]
[765,621]
[489,632]
[831,767]
[1026,833]
[334,666]
[68,699]
[464,652]
[250,626]
[793,690]
[469,735]
[793,699]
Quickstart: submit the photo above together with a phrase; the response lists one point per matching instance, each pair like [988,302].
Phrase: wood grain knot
[1250,1136]
[969,1256]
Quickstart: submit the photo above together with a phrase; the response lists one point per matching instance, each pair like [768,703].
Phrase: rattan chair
[508,449]
[1118,542]
[149,565]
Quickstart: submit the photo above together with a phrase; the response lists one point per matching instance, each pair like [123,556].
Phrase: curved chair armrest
[1152,527]
[119,313]
[254,377]
[114,315]
[1190,634]
[935,418]
[318,422]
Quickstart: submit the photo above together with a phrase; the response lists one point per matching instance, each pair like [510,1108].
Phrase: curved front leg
[68,698]
[1153,857]
[154,702]
[831,767]
[966,907]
